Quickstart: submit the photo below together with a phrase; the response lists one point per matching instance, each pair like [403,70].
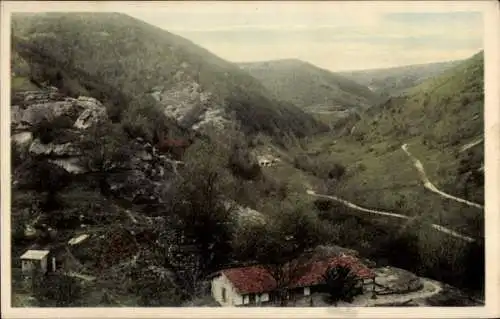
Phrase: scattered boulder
[72,165]
[332,250]
[23,138]
[245,215]
[66,149]
[37,113]
[16,114]
[391,280]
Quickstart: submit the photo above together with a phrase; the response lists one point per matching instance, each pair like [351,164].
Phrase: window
[252,298]
[224,294]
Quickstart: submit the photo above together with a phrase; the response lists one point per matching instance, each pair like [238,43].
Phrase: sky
[325,34]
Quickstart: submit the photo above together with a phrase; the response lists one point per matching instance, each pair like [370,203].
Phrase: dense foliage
[342,284]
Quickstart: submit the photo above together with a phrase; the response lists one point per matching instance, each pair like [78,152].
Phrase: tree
[281,245]
[42,176]
[199,203]
[57,290]
[144,118]
[16,155]
[154,287]
[341,283]
[242,164]
[337,171]
[107,152]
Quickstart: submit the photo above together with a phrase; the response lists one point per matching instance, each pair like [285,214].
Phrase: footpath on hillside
[427,183]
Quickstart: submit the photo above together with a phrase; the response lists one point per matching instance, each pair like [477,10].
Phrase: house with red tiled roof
[254,285]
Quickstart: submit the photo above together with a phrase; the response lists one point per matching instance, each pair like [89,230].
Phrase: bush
[342,284]
[48,130]
[337,172]
[43,131]
[144,119]
[242,164]
[16,155]
[57,290]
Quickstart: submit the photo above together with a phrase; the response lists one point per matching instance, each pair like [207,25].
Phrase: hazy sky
[325,34]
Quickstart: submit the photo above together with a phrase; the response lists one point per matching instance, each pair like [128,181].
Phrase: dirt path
[429,289]
[471,144]
[383,213]
[352,205]
[430,186]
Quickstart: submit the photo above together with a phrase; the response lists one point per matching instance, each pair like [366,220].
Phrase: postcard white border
[490,10]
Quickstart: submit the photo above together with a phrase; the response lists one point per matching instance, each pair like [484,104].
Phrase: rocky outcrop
[93,112]
[244,215]
[33,107]
[147,176]
[72,165]
[23,138]
[391,280]
[66,149]
[36,113]
[142,177]
[190,105]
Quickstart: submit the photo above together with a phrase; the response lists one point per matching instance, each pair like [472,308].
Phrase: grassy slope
[133,57]
[20,74]
[392,81]
[435,119]
[307,86]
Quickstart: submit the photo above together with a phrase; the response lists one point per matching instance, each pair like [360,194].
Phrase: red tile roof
[256,279]
[251,279]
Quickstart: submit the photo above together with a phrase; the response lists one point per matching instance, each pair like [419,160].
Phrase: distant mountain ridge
[395,80]
[309,86]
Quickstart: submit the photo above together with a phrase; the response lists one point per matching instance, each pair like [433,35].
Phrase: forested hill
[121,58]
[444,110]
[309,86]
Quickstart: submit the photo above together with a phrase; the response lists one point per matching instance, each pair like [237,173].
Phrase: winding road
[383,213]
[430,186]
[427,184]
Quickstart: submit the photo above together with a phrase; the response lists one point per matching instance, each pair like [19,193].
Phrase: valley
[147,167]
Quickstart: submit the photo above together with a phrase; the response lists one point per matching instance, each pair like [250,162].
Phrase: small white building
[233,288]
[34,260]
[267,160]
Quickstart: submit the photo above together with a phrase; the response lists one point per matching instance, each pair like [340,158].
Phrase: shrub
[57,290]
[43,131]
[16,155]
[341,284]
[337,172]
[144,118]
[62,122]
[48,130]
[242,164]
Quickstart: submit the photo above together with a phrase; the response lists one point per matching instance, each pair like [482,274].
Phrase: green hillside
[119,58]
[308,86]
[394,81]
[362,161]
[436,119]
